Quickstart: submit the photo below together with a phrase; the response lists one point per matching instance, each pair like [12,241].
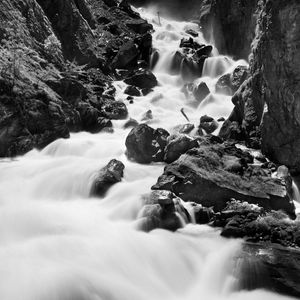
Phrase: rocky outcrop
[55,58]
[214,173]
[106,177]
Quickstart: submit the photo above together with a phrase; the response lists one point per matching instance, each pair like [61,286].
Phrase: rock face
[214,173]
[233,22]
[266,105]
[145,145]
[63,72]
[106,177]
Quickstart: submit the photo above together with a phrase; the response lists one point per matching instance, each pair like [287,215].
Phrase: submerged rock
[201,91]
[208,175]
[106,177]
[145,144]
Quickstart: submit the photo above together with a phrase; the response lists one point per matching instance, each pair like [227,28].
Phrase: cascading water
[56,243]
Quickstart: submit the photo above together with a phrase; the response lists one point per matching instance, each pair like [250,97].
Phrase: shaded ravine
[56,242]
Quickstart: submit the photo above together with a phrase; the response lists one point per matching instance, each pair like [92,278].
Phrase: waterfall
[56,243]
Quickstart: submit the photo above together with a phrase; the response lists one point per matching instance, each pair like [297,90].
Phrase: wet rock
[131,123]
[177,145]
[132,91]
[91,118]
[270,267]
[232,131]
[184,129]
[201,91]
[203,215]
[127,56]
[139,26]
[162,209]
[229,83]
[148,115]
[204,50]
[192,32]
[115,110]
[106,177]
[142,79]
[200,176]
[145,145]
[209,124]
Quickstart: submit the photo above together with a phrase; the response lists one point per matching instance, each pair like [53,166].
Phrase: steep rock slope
[56,67]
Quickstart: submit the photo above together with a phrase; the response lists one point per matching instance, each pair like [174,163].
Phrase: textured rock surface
[106,177]
[214,173]
[63,71]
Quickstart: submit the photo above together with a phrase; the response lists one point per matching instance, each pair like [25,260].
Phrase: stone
[132,91]
[106,177]
[209,124]
[131,123]
[115,110]
[127,56]
[199,175]
[139,26]
[201,91]
[142,79]
[145,144]
[178,145]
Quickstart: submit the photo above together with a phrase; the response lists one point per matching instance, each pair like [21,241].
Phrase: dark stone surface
[106,177]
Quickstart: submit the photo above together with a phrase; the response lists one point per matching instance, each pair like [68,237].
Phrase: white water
[56,243]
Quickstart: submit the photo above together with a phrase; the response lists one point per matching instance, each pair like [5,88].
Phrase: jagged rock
[132,91]
[161,210]
[229,83]
[106,177]
[115,110]
[142,79]
[192,32]
[144,144]
[203,215]
[200,176]
[139,26]
[127,56]
[201,91]
[177,145]
[209,124]
[232,131]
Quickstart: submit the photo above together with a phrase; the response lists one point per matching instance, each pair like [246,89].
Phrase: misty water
[57,243]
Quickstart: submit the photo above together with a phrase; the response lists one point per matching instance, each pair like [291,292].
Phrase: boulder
[106,177]
[145,144]
[209,124]
[127,56]
[132,91]
[201,91]
[184,129]
[200,176]
[177,145]
[142,79]
[131,123]
[162,209]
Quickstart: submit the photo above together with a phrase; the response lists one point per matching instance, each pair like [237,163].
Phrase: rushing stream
[57,243]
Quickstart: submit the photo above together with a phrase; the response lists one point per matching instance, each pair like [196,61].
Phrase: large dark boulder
[145,144]
[106,177]
[214,173]
[143,79]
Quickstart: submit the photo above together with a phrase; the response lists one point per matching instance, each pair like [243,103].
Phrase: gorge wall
[267,105]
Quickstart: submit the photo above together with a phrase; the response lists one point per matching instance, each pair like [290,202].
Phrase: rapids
[56,243]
